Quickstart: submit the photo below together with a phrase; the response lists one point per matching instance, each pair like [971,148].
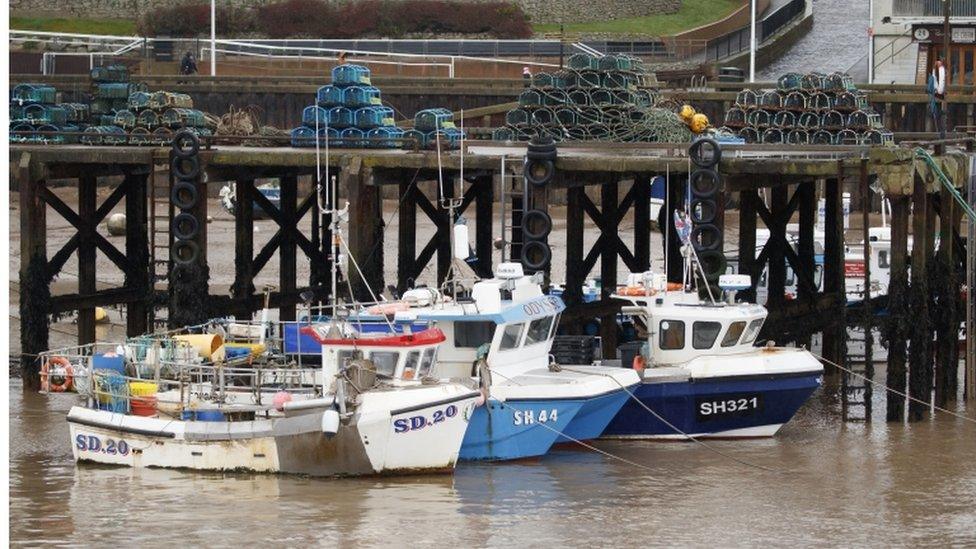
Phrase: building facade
[907,37]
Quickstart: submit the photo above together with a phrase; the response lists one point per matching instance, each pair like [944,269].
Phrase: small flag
[683,226]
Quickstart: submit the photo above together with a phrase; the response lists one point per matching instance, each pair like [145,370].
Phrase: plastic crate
[350,75]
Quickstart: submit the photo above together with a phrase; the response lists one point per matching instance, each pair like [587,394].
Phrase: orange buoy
[675,286]
[56,375]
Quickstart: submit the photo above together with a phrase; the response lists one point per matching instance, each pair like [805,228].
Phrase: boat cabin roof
[425,338]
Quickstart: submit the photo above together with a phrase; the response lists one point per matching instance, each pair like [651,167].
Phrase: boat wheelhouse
[702,373]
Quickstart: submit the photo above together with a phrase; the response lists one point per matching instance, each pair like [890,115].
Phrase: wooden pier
[600,183]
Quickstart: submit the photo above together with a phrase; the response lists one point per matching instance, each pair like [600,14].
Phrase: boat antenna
[667,224]
[451,204]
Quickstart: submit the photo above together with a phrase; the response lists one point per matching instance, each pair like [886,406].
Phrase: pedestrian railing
[737,41]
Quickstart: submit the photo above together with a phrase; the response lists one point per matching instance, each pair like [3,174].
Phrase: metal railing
[933,8]
[737,41]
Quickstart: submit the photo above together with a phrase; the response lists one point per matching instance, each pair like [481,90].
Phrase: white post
[213,37]
[752,42]
[870,41]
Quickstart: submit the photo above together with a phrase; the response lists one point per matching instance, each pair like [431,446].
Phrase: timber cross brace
[286,241]
[410,264]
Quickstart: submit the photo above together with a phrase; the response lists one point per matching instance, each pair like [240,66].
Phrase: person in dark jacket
[189,64]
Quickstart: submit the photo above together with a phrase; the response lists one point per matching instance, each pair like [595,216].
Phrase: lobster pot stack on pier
[34,113]
[593,99]
[348,113]
[434,127]
[815,108]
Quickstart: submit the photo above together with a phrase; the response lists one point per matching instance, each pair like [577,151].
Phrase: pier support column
[776,247]
[747,240]
[407,236]
[35,295]
[575,268]
[365,230]
[287,252]
[899,324]
[947,312]
[642,222]
[835,335]
[608,264]
[189,283]
[920,350]
[87,188]
[140,275]
[806,292]
[484,204]
[243,287]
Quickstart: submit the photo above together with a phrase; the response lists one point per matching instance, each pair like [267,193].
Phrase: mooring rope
[895,391]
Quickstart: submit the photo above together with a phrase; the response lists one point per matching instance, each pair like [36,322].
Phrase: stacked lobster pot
[432,128]
[815,108]
[36,117]
[593,99]
[348,113]
[152,118]
[110,91]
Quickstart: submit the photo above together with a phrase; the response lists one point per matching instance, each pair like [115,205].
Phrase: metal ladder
[511,200]
[160,212]
[856,392]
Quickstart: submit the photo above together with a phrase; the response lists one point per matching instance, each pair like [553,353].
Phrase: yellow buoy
[101,315]
[699,123]
[686,113]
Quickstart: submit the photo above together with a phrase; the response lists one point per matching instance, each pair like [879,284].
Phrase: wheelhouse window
[538,330]
[883,259]
[385,362]
[733,333]
[426,362]
[410,365]
[704,334]
[672,334]
[471,335]
[511,336]
[752,331]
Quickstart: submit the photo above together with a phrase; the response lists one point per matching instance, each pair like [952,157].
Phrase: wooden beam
[777,246]
[287,258]
[920,356]
[87,196]
[641,191]
[137,252]
[484,241]
[575,269]
[898,312]
[747,239]
[808,220]
[835,337]
[608,263]
[34,289]
[407,236]
[244,267]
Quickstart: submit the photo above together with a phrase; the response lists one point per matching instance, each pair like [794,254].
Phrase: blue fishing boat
[702,374]
[500,333]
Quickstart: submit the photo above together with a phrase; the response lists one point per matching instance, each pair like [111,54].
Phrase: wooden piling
[575,269]
[835,335]
[748,199]
[946,313]
[365,231]
[407,236]
[899,323]
[867,320]
[776,247]
[484,217]
[139,275]
[287,252]
[87,189]
[920,350]
[35,292]
[608,263]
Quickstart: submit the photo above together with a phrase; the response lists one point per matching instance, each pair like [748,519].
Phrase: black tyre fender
[544,176]
[705,153]
[185,167]
[710,234]
[713,263]
[536,255]
[705,183]
[185,252]
[184,195]
[708,207]
[186,144]
[536,225]
[185,226]
[541,155]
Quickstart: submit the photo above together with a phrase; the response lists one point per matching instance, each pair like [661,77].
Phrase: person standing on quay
[188,65]
[937,99]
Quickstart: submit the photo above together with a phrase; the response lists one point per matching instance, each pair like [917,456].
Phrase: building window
[672,335]
[704,334]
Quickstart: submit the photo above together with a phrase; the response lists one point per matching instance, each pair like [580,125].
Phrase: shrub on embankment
[353,19]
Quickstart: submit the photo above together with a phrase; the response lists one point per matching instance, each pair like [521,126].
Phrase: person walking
[188,65]
[526,76]
[936,88]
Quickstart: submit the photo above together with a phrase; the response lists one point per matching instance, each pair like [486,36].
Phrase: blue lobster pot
[349,75]
[362,96]
[315,116]
[303,136]
[417,135]
[448,137]
[331,135]
[385,137]
[341,117]
[352,137]
[330,96]
[429,120]
[368,117]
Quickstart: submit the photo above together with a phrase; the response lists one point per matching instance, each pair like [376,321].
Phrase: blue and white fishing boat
[501,334]
[702,374]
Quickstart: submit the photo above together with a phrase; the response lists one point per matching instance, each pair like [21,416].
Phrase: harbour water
[853,484]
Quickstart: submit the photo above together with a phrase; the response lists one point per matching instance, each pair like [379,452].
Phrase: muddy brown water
[837,483]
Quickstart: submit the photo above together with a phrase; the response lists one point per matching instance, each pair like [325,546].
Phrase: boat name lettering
[528,417]
[416,423]
[727,406]
[542,306]
[92,443]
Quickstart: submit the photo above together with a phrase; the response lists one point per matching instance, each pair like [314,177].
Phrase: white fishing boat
[375,410]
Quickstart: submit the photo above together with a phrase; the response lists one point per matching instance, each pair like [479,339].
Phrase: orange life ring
[675,286]
[57,375]
[636,291]
[639,363]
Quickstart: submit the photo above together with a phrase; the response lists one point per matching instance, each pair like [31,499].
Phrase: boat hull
[517,429]
[594,416]
[728,407]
